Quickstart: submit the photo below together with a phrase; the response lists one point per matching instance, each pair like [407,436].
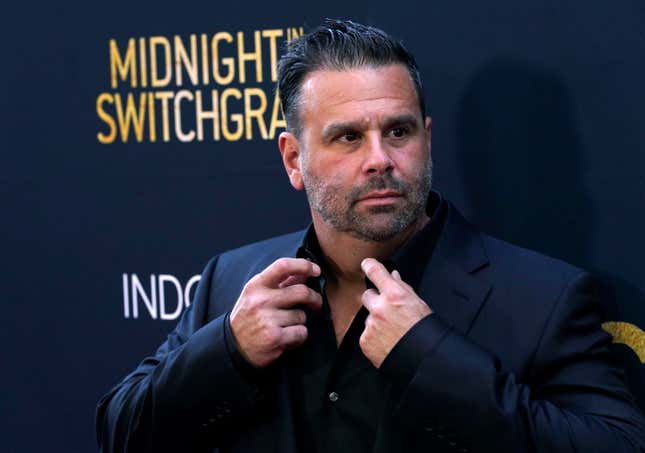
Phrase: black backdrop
[539,137]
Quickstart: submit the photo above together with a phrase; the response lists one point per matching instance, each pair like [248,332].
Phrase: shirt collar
[411,259]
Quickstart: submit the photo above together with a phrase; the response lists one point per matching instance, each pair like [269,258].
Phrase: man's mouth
[381,197]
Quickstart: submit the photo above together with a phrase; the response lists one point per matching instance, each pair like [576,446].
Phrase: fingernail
[316,268]
[364,263]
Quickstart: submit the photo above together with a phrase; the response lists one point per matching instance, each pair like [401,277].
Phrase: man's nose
[378,159]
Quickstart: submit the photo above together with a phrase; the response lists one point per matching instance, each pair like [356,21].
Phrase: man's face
[365,150]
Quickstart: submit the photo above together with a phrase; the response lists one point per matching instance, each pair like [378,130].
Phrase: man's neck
[344,252]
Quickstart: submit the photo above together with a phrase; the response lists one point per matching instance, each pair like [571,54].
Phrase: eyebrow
[332,130]
[405,119]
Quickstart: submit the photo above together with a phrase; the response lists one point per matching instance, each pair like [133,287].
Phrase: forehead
[361,94]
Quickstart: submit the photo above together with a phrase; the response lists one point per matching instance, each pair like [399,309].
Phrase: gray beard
[339,210]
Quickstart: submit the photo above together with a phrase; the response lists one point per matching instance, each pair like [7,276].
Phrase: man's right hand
[262,320]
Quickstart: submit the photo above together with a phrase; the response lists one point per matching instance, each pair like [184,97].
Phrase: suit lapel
[451,285]
[283,423]
[453,289]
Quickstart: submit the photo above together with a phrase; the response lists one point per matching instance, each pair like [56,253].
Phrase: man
[390,324]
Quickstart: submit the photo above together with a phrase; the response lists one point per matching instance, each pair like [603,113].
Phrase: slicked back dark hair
[338,45]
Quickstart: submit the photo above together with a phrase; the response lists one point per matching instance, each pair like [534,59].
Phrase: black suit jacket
[512,360]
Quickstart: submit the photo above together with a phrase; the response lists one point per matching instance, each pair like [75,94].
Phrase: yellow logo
[217,86]
[627,334]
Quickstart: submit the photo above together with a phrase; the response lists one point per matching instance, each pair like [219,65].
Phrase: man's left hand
[394,308]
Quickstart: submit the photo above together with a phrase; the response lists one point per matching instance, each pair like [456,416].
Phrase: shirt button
[333,397]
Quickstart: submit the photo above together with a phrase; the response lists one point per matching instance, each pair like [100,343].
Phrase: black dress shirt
[338,394]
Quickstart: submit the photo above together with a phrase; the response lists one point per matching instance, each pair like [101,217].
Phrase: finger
[399,279]
[282,268]
[369,299]
[407,286]
[296,295]
[377,273]
[292,280]
[290,317]
[293,336]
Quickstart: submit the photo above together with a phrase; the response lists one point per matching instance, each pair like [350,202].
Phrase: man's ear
[290,150]
[428,128]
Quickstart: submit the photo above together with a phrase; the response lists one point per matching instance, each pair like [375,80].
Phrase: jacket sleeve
[574,399]
[185,396]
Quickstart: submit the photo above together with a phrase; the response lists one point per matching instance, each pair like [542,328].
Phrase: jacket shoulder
[530,268]
[535,297]
[265,250]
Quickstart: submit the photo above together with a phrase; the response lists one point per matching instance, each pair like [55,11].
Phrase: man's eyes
[349,137]
[398,132]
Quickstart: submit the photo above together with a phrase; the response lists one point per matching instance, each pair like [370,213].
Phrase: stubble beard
[339,208]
